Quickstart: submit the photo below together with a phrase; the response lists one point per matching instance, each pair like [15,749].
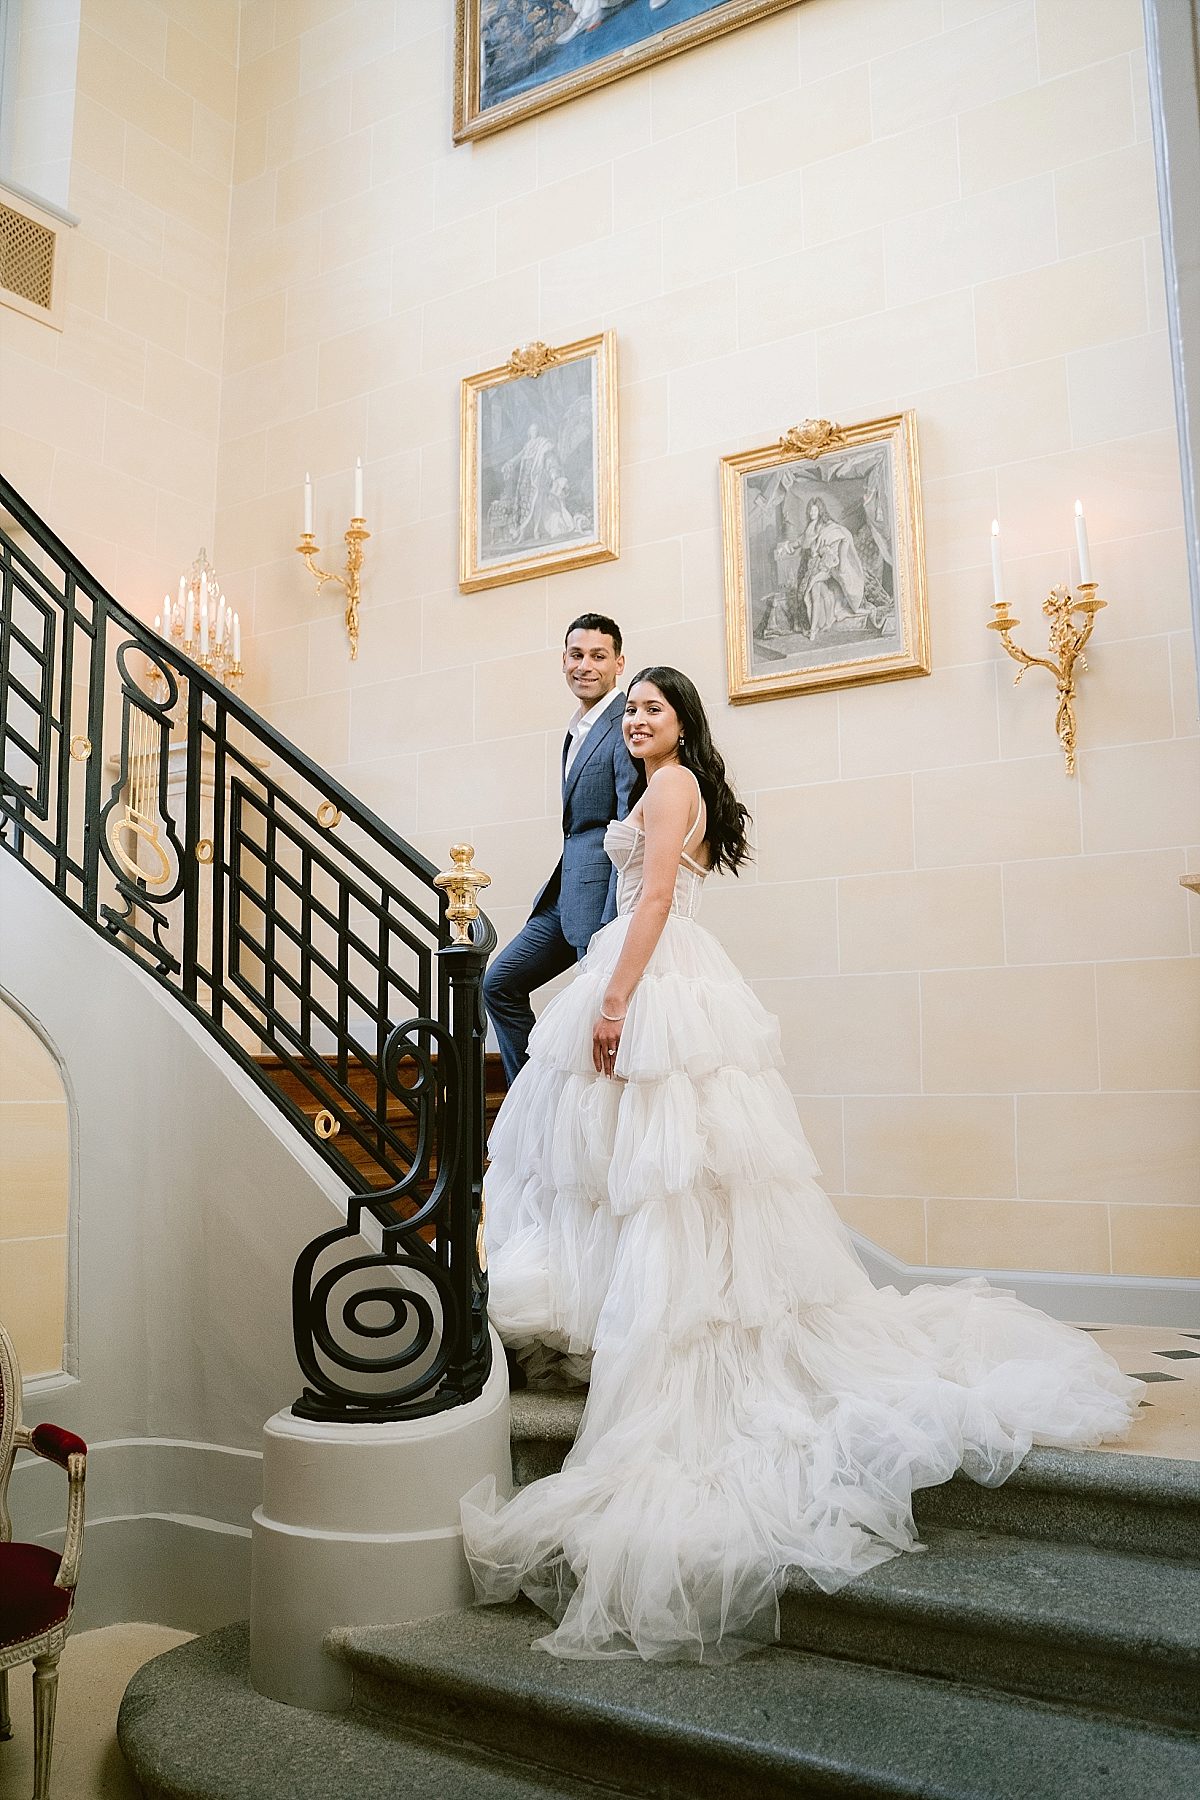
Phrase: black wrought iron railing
[297,927]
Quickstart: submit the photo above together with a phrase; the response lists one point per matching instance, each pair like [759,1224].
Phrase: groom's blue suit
[581,894]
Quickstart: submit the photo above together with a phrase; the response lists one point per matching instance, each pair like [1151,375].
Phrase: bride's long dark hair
[727,818]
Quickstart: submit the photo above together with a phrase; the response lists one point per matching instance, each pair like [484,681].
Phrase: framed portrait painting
[824,559]
[538,487]
[515,58]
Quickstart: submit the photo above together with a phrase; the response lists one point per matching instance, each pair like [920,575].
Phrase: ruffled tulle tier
[755,1405]
[707,1469]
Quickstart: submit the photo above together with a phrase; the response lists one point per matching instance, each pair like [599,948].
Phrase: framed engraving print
[515,58]
[824,559]
[538,487]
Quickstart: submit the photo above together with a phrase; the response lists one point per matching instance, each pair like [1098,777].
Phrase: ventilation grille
[27,259]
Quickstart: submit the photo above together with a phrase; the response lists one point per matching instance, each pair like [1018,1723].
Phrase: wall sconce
[355,534]
[1067,637]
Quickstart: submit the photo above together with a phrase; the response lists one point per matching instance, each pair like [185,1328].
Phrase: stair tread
[264,1750]
[553,1415]
[778,1715]
[976,1581]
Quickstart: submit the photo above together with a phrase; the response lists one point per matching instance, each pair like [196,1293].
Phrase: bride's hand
[606,1040]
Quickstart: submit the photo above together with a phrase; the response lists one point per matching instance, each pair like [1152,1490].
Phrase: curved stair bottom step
[780,1724]
[461,1705]
[192,1728]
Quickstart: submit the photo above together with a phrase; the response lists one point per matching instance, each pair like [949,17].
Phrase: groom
[598,777]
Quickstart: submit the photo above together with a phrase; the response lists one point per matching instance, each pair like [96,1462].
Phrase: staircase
[1045,1646]
[324,955]
[303,1089]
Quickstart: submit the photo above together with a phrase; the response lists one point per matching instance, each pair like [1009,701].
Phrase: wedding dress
[755,1405]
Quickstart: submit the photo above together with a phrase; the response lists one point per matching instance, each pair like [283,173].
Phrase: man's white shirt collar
[582,722]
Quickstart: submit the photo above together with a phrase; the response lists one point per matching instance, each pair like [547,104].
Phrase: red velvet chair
[37,1586]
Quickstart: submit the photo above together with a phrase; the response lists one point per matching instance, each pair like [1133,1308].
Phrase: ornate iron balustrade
[292,923]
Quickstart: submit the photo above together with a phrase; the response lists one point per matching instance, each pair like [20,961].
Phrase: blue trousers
[536,955]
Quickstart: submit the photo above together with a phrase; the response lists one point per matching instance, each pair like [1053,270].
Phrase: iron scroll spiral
[349,1361]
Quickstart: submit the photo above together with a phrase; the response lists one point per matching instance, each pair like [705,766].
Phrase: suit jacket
[597,790]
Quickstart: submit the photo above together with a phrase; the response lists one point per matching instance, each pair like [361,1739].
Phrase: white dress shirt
[582,722]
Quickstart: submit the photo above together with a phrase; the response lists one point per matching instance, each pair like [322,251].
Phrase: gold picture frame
[824,559]
[611,46]
[538,482]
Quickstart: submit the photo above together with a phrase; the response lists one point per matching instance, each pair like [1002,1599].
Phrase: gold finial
[813,438]
[461,884]
[531,359]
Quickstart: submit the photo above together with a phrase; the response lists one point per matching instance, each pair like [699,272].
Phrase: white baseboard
[167,1531]
[1076,1299]
[187,1572]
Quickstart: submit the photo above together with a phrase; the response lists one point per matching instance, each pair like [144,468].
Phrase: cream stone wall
[985,972]
[110,427]
[34,1195]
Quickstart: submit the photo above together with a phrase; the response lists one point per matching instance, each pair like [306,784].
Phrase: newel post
[471,1361]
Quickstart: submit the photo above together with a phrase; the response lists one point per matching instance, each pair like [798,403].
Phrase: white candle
[1081,544]
[237,638]
[221,620]
[166,613]
[189,618]
[183,587]
[358,489]
[157,624]
[997,568]
[203,617]
[308,510]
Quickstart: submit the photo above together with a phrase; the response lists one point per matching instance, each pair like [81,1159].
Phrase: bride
[755,1405]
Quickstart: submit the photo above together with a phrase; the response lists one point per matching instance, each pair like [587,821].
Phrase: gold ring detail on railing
[144,834]
[328,815]
[81,748]
[204,850]
[325,1125]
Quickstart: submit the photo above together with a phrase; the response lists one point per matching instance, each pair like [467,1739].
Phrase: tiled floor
[1168,1421]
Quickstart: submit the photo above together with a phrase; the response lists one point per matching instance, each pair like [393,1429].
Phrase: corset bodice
[626,846]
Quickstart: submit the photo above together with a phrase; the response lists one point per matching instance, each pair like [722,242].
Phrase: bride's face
[651,723]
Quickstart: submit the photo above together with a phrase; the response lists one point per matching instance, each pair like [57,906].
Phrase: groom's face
[591,666]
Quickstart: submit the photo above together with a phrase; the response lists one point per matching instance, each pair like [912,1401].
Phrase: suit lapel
[591,744]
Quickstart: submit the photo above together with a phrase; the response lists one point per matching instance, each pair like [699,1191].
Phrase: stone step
[778,1723]
[1103,1629]
[192,1728]
[1143,1504]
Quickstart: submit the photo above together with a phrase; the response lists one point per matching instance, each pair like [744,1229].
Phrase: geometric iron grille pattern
[293,924]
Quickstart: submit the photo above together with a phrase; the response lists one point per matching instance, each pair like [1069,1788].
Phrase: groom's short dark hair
[597,622]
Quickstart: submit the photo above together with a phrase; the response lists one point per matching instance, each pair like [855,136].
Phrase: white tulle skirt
[755,1405]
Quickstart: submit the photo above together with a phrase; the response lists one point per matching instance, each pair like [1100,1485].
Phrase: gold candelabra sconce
[1071,623]
[203,624]
[356,535]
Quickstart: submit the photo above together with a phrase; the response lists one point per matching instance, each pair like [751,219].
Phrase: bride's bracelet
[613,1018]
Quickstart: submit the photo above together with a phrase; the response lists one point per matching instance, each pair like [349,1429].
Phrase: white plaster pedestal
[359,1526]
